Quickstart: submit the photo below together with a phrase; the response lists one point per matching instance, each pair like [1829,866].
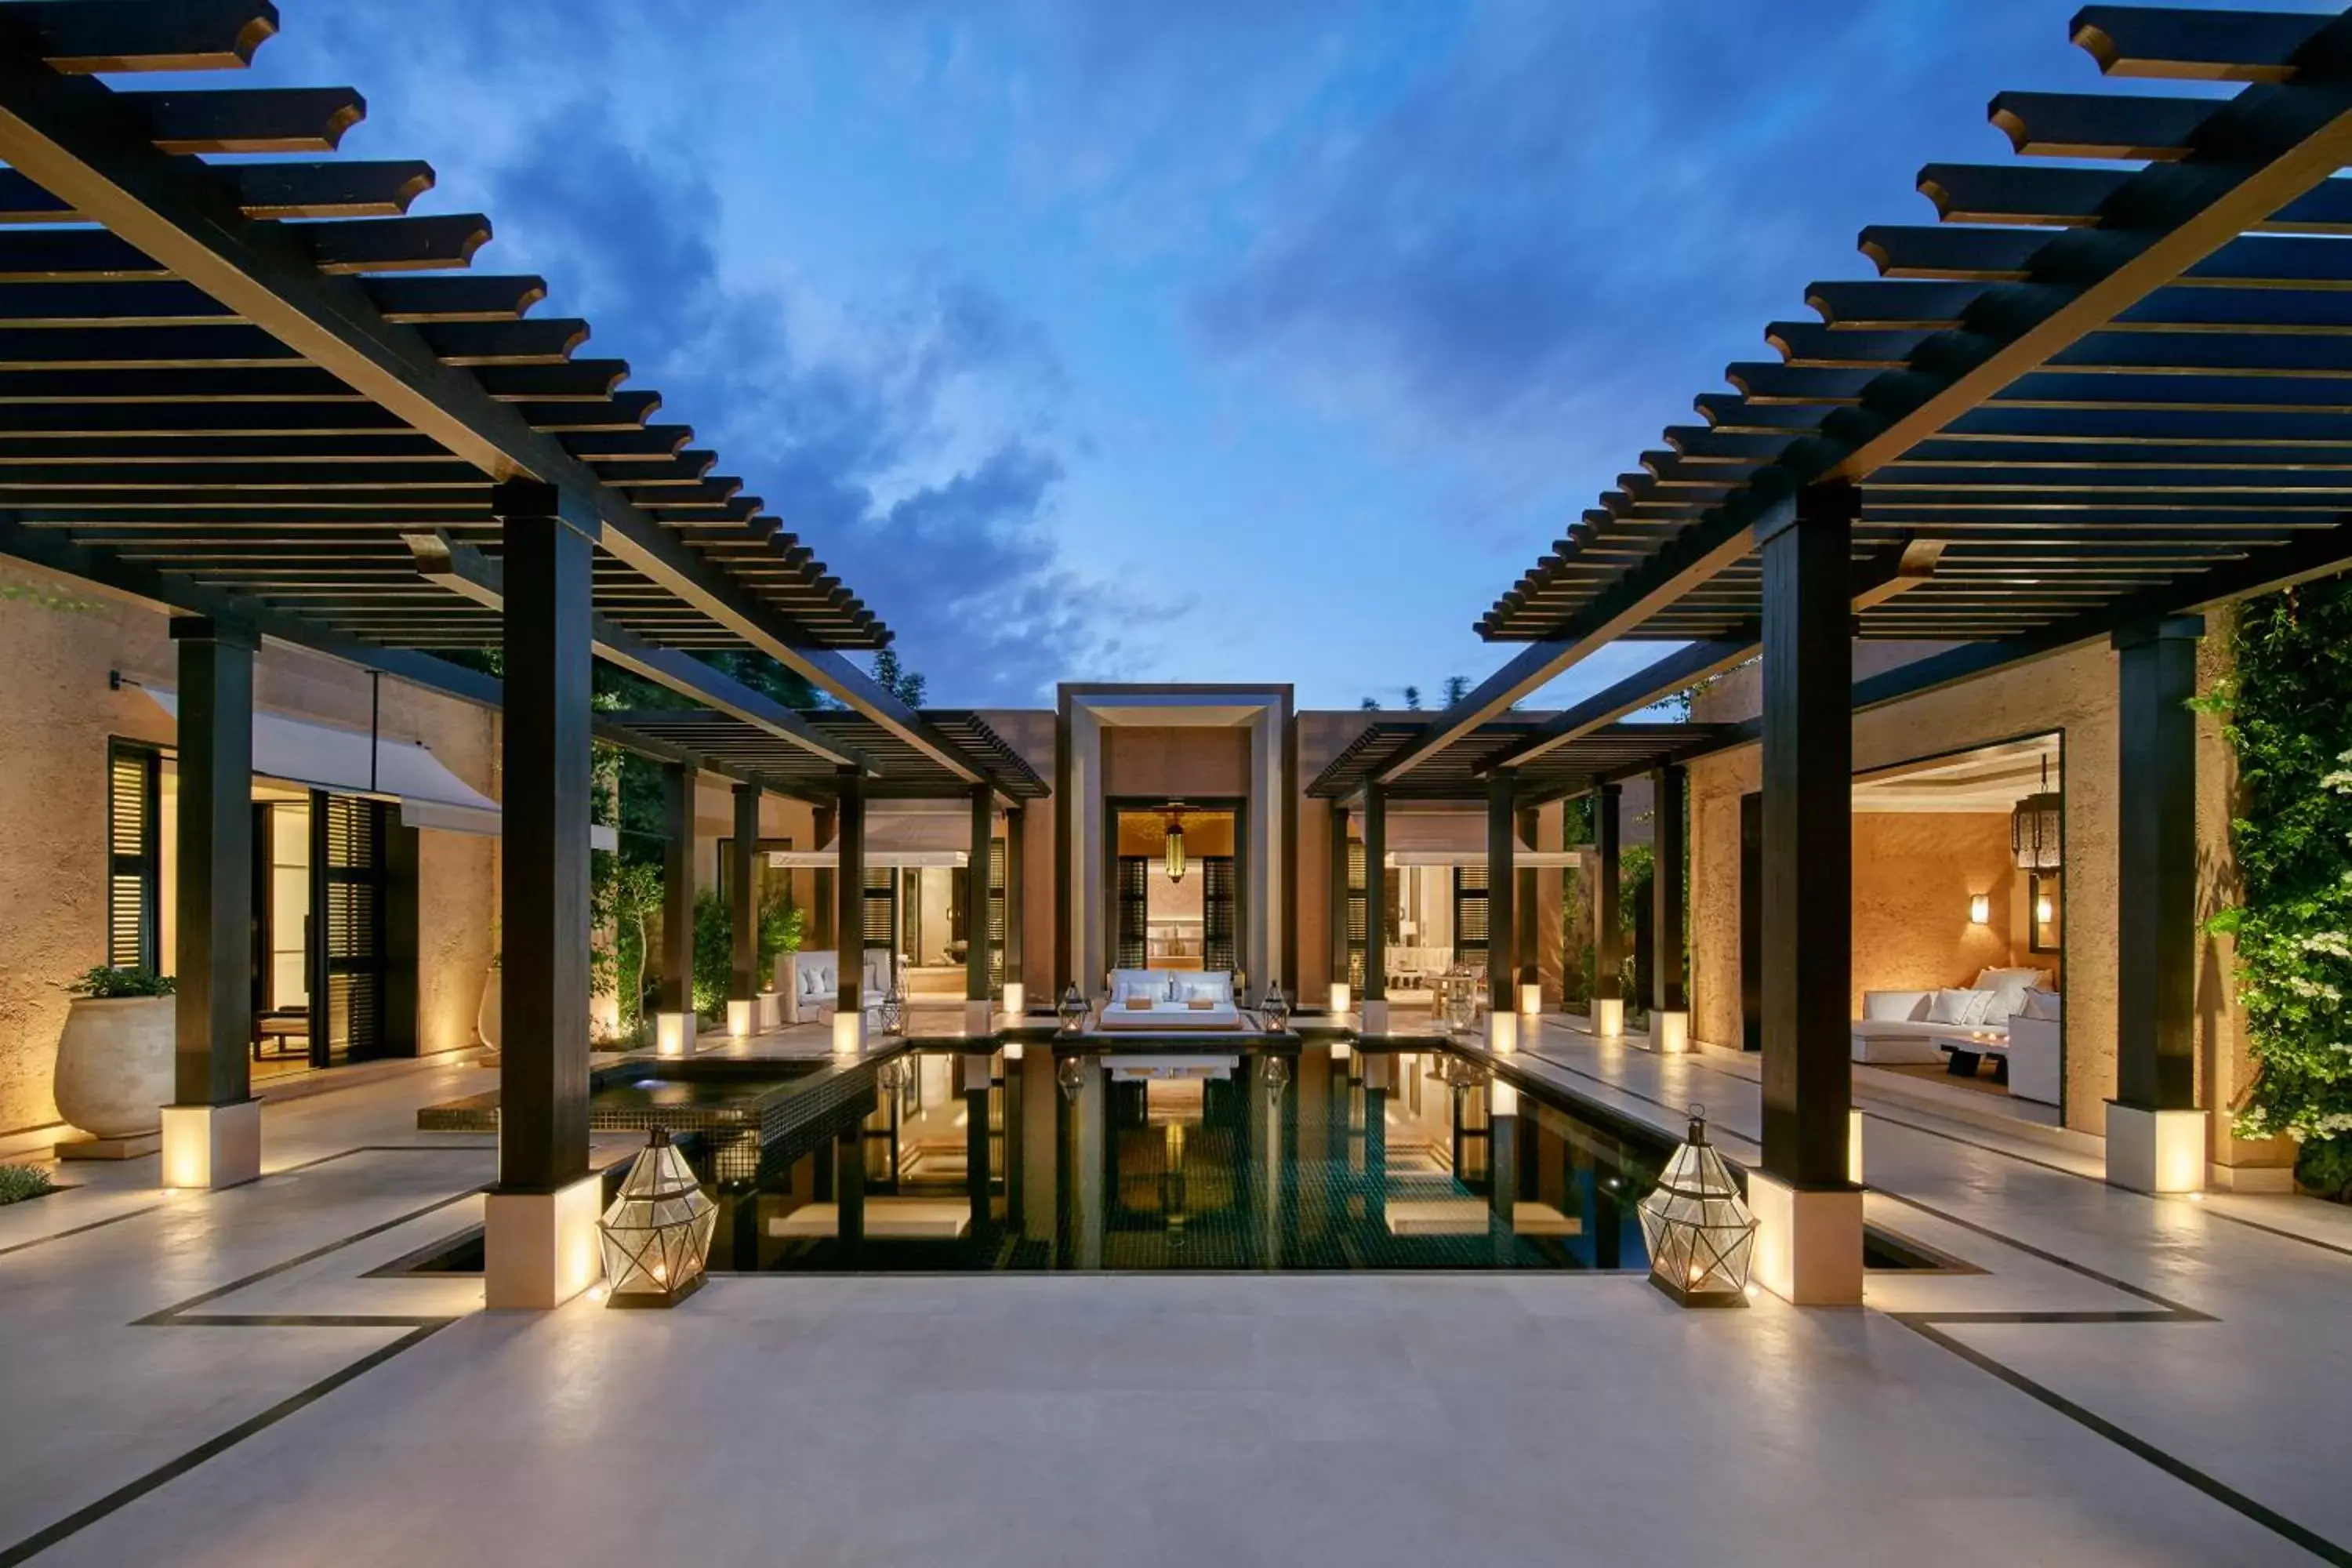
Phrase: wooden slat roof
[748,751]
[2094,384]
[149,419]
[1459,771]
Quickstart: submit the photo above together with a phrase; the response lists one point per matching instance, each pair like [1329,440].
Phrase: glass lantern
[1700,1234]
[1275,1076]
[1275,1011]
[657,1235]
[1073,1008]
[1071,1074]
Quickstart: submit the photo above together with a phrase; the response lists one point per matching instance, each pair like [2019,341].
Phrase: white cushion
[1964,1008]
[1895,1006]
[2042,1004]
[2009,987]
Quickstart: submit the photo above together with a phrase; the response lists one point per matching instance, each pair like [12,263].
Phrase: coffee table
[1966,1048]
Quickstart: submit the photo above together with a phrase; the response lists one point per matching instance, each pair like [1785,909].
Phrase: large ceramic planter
[114,1064]
[487,1018]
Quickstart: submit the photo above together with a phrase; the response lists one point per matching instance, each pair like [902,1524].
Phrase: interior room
[1176,879]
[1958,920]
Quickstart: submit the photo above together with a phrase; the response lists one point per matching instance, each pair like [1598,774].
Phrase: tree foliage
[2288,719]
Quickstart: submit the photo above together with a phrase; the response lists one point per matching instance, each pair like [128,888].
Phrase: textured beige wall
[1913,874]
[58,713]
[2075,695]
[1181,763]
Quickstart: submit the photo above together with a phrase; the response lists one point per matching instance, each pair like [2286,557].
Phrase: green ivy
[2287,712]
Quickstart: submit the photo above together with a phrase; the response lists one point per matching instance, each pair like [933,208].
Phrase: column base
[1853,1147]
[539,1249]
[979,1018]
[1376,1016]
[211,1146]
[674,1034]
[1016,1001]
[1531,998]
[1670,1033]
[767,1012]
[1341,998]
[739,1017]
[849,1030]
[1502,1033]
[1609,1017]
[2156,1151]
[1808,1241]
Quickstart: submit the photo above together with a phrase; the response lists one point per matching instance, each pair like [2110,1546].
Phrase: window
[1469,910]
[134,812]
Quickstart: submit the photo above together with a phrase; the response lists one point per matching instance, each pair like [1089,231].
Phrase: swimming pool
[1321,1157]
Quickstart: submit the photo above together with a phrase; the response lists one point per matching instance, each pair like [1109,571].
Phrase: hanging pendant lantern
[1700,1234]
[1176,866]
[1073,1008]
[657,1235]
[2036,827]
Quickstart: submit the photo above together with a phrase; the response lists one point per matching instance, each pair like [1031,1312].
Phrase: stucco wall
[1189,762]
[58,712]
[2075,695]
[1913,874]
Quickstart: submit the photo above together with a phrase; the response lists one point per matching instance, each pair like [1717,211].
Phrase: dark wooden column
[212,945]
[677,994]
[1608,936]
[1669,787]
[2156,875]
[975,894]
[1339,894]
[822,823]
[543,847]
[743,898]
[1376,878]
[1016,843]
[849,883]
[1528,911]
[1502,894]
[1806,914]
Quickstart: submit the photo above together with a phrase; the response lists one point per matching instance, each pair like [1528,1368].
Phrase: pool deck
[215,1378]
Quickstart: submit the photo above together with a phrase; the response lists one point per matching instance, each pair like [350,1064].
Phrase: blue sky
[1231,340]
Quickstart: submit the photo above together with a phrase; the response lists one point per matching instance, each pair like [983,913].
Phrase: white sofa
[2033,1048]
[1168,998]
[809,983]
[1900,1027]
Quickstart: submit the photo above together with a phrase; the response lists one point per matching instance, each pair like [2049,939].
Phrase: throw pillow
[1139,1004]
[1961,1008]
[1198,1003]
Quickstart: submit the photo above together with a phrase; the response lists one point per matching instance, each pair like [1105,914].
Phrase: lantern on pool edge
[658,1232]
[1275,1011]
[1073,1008]
[1700,1234]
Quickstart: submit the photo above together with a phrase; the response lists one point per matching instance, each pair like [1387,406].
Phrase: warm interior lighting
[1979,909]
[1176,866]
[2044,910]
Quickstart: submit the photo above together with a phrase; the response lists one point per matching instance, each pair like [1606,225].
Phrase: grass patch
[18,1182]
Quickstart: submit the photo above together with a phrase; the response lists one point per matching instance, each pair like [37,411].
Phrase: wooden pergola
[2084,405]
[1470,768]
[269,397]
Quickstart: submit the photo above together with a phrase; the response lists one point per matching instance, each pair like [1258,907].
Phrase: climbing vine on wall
[2287,709]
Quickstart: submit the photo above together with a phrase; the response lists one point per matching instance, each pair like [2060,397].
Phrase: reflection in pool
[1313,1159]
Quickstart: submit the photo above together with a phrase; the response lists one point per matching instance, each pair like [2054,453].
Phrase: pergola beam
[467,572]
[74,138]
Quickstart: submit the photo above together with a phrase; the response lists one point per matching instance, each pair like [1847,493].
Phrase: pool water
[1316,1158]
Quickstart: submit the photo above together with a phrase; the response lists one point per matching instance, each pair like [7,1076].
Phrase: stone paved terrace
[216,1378]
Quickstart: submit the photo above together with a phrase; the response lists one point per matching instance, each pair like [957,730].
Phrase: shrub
[780,924]
[133,980]
[18,1182]
[2286,717]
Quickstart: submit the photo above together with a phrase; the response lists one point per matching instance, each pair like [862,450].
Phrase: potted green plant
[114,1057]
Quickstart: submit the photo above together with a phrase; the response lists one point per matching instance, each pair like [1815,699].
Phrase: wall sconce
[1979,909]
[2044,910]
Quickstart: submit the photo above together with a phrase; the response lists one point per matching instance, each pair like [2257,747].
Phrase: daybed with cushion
[1901,1026]
[810,984]
[1163,999]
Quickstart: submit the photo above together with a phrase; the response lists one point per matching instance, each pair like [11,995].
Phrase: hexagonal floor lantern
[1700,1234]
[657,1235]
